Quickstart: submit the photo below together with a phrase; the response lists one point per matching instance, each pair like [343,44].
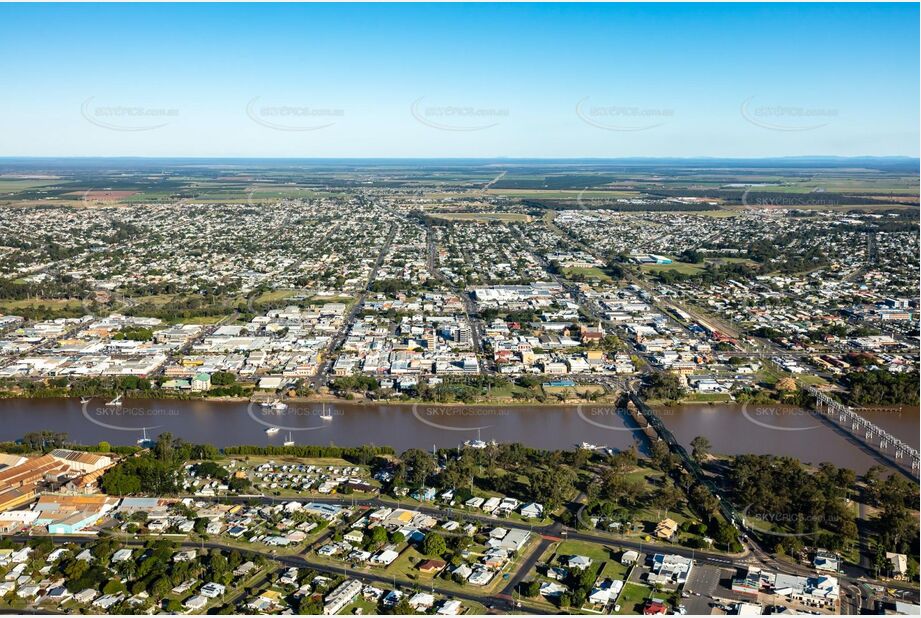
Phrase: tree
[378,536]
[552,485]
[703,500]
[667,497]
[104,447]
[664,385]
[700,448]
[418,465]
[622,489]
[434,545]
[530,589]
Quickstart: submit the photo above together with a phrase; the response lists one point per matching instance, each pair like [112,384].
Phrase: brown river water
[731,429]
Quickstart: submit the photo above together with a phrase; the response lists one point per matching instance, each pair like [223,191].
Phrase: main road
[339,338]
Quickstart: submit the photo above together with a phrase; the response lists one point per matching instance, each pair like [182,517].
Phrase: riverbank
[317,398]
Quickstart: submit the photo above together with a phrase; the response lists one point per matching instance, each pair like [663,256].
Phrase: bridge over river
[889,447]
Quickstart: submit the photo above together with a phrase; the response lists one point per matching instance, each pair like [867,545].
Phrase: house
[629,557]
[474,503]
[605,592]
[450,607]
[463,572]
[212,590]
[654,607]
[195,603]
[430,567]
[425,494]
[107,601]
[392,598]
[532,510]
[579,563]
[481,576]
[557,573]
[121,555]
[384,557]
[552,589]
[491,504]
[360,556]
[515,540]
[244,568]
[666,529]
[421,601]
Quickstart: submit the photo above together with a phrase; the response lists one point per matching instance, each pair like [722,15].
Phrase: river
[731,429]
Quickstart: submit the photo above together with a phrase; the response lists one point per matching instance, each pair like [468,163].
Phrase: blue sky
[439,80]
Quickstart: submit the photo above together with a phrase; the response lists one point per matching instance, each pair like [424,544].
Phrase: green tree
[434,545]
[700,448]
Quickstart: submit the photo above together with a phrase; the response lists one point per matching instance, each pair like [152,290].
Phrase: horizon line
[476,158]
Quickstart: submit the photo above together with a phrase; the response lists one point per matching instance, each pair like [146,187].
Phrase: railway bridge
[891,448]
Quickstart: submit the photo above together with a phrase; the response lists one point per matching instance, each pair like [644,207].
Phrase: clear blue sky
[400,80]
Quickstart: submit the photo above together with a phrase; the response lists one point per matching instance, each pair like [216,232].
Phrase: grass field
[274,295]
[598,553]
[573,391]
[13,185]
[483,217]
[681,267]
[589,273]
[71,307]
[563,194]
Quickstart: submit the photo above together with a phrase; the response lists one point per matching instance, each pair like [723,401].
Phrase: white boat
[144,440]
[279,405]
[85,400]
[289,441]
[479,443]
[272,431]
[115,402]
[326,416]
[585,446]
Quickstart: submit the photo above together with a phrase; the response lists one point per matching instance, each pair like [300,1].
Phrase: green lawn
[368,608]
[632,598]
[596,551]
[681,267]
[589,273]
